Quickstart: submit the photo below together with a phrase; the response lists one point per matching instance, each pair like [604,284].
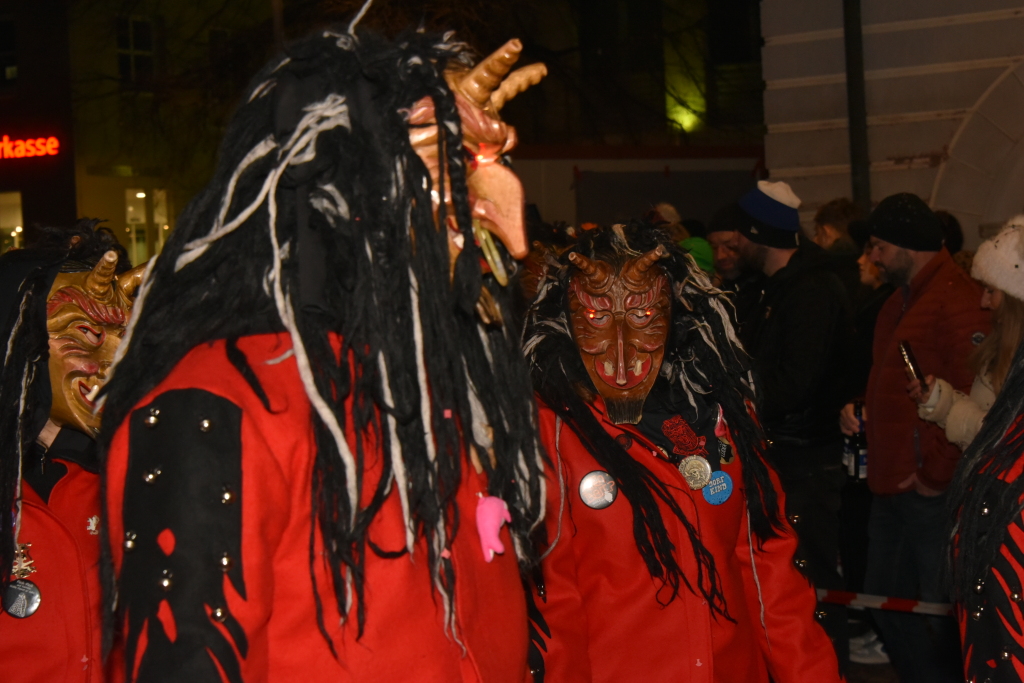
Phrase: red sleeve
[795,645]
[961,322]
[567,658]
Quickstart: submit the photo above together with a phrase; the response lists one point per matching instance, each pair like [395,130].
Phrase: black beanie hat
[905,220]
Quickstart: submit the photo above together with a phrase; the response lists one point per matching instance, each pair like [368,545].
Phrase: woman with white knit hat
[999,266]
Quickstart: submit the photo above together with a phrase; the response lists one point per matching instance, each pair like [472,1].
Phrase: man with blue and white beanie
[797,337]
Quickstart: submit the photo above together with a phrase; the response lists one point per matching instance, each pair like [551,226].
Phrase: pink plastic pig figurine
[491,514]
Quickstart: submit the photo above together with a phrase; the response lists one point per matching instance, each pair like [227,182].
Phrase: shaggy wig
[702,357]
[319,220]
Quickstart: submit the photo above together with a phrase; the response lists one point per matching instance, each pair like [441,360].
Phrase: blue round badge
[718,489]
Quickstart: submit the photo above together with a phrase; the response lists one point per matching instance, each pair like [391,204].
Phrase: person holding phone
[910,462]
[997,265]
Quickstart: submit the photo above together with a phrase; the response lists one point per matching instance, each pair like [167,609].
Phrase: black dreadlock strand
[319,187]
[702,354]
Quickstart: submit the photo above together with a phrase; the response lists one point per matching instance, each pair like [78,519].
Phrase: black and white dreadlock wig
[319,220]
[26,276]
[702,357]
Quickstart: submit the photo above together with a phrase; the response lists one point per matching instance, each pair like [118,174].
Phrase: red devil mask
[620,319]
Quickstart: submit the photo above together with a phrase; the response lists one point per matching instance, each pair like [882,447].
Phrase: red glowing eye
[648,312]
[591,314]
[480,157]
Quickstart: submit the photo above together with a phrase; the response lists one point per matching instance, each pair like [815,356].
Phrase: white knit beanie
[999,262]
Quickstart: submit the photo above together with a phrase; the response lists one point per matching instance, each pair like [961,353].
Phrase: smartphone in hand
[913,369]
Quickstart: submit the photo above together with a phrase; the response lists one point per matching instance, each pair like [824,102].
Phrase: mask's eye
[598,318]
[640,316]
[94,337]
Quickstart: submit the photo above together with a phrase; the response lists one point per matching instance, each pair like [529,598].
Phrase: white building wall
[945,102]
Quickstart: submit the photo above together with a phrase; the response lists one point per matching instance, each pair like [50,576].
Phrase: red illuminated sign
[32,147]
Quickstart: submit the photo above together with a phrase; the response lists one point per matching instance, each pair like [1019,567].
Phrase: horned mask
[495,193]
[86,314]
[620,320]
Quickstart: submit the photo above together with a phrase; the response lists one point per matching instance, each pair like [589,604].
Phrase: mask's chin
[625,410]
[493,262]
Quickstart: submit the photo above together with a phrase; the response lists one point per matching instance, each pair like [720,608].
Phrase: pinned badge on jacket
[21,599]
[718,489]
[598,490]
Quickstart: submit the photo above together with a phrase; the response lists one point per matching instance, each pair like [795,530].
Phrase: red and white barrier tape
[880,602]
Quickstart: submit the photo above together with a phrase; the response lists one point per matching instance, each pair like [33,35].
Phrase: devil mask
[495,193]
[86,314]
[620,320]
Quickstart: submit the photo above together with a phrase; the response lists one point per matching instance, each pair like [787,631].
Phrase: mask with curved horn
[495,193]
[620,320]
[86,314]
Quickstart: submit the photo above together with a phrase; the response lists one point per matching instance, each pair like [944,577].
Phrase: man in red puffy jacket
[910,462]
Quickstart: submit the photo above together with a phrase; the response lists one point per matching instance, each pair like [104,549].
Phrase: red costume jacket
[61,641]
[404,639]
[602,608]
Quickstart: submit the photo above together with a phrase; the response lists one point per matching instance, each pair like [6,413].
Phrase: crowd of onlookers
[874,333]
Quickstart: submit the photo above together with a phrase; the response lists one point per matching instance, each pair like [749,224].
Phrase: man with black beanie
[910,463]
[796,336]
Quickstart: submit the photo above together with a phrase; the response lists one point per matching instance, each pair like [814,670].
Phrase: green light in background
[685,110]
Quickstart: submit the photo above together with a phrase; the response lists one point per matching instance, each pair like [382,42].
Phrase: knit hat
[905,220]
[729,218]
[700,249]
[772,212]
[999,262]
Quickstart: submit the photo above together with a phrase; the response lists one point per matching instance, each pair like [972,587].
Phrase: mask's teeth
[91,396]
[490,251]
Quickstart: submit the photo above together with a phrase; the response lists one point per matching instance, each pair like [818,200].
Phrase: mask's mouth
[488,248]
[88,390]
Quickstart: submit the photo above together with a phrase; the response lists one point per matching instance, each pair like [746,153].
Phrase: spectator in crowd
[796,336]
[832,233]
[665,216]
[855,511]
[953,240]
[910,462]
[998,266]
[745,285]
[700,250]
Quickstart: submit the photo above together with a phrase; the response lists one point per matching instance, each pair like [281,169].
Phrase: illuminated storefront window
[11,234]
[146,217]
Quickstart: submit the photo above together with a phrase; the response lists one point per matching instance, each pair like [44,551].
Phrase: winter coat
[958,413]
[232,479]
[798,339]
[604,614]
[61,640]
[939,314]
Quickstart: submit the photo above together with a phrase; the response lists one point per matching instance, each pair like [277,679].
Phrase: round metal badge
[696,471]
[598,490]
[21,599]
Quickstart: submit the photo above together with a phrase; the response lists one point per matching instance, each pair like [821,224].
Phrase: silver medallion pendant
[696,471]
[598,490]
[21,599]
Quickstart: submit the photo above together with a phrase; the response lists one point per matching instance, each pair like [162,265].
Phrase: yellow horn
[129,282]
[486,76]
[518,81]
[98,282]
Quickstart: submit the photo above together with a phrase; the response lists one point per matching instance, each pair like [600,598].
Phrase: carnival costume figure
[320,424]
[986,502]
[666,556]
[64,304]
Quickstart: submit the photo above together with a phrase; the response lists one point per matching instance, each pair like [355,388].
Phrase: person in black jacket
[797,336]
